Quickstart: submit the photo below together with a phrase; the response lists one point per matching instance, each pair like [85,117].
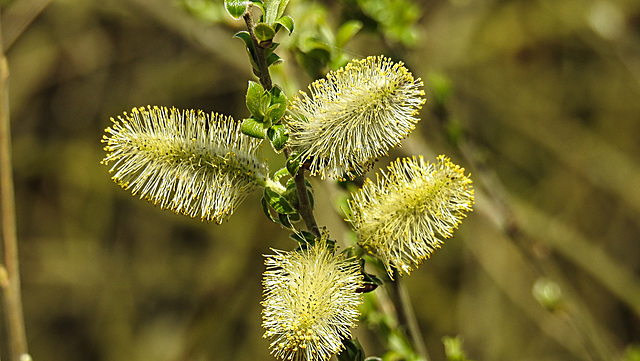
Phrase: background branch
[11,285]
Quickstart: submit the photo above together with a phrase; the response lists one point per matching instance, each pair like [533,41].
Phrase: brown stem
[12,292]
[265,77]
[304,204]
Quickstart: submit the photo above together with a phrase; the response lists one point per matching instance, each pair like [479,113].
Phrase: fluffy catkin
[310,302]
[403,216]
[353,116]
[190,162]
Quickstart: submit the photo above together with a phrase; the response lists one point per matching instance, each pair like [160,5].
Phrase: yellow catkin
[310,302]
[354,116]
[404,216]
[189,162]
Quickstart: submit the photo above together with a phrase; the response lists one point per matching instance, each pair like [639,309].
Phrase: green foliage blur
[538,100]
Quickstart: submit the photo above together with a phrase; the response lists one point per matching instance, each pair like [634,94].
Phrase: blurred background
[538,99]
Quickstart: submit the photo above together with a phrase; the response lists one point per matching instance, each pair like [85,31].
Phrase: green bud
[236,8]
[547,293]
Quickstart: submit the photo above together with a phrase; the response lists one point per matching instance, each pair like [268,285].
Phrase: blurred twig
[18,17]
[407,317]
[11,286]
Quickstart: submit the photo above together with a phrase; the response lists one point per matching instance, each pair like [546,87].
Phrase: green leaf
[281,6]
[291,190]
[236,8]
[254,95]
[311,44]
[277,95]
[280,173]
[369,284]
[277,202]
[353,351]
[274,10]
[286,22]
[294,217]
[265,209]
[272,47]
[347,31]
[278,136]
[453,349]
[293,163]
[244,36]
[269,117]
[264,32]
[253,128]
[274,113]
[284,220]
[273,58]
[265,103]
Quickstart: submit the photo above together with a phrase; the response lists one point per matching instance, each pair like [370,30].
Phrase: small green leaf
[292,184]
[265,103]
[369,281]
[294,217]
[293,163]
[274,10]
[291,189]
[280,173]
[254,95]
[347,31]
[311,44]
[284,220]
[277,202]
[353,351]
[265,209]
[264,32]
[453,349]
[286,22]
[236,8]
[244,36]
[272,47]
[277,95]
[273,59]
[253,128]
[281,6]
[274,113]
[278,136]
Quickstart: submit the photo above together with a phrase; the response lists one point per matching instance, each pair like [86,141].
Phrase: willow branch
[11,285]
[304,204]
[261,58]
[407,317]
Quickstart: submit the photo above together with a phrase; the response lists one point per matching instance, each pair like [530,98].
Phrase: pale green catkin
[190,162]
